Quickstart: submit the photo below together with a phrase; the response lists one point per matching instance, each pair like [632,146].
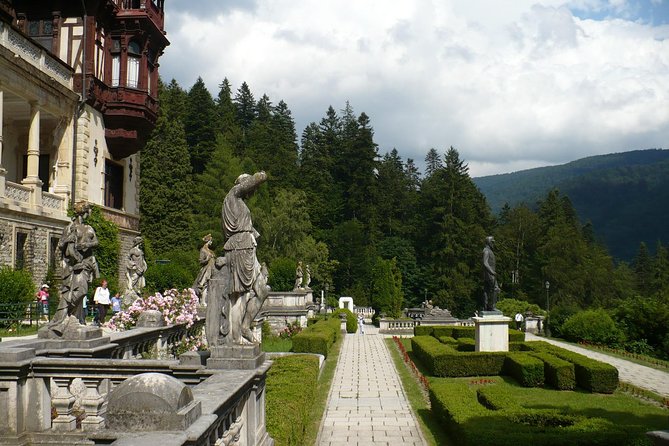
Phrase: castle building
[78,100]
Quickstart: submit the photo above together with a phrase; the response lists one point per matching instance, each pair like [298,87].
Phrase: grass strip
[429,424]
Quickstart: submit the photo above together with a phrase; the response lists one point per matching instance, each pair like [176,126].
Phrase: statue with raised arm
[490,286]
[207,261]
[135,267]
[79,268]
[240,287]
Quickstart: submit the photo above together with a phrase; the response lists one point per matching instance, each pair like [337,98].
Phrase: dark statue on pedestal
[238,284]
[490,287]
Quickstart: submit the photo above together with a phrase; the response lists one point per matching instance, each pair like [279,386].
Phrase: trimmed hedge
[510,424]
[317,338]
[558,372]
[423,330]
[443,360]
[516,335]
[466,345]
[448,340]
[292,382]
[526,369]
[351,319]
[591,374]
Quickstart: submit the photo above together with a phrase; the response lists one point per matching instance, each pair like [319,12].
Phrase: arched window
[134,57]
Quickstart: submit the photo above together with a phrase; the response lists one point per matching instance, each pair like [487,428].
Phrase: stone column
[93,405]
[2,169]
[32,176]
[63,401]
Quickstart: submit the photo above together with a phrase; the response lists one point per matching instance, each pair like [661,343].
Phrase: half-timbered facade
[78,100]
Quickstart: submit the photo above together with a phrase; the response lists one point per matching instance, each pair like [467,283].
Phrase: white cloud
[524,85]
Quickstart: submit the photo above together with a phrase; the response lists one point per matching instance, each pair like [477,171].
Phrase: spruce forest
[370,224]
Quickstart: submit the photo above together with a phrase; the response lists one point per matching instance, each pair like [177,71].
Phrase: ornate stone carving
[17,192]
[135,267]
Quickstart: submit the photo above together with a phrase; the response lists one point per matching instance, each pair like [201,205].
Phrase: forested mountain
[624,195]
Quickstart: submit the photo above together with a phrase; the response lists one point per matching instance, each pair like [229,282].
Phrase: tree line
[369,224]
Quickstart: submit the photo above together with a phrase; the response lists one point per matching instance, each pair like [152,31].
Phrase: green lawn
[22,330]
[429,424]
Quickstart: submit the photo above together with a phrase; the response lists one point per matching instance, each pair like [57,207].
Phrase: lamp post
[548,302]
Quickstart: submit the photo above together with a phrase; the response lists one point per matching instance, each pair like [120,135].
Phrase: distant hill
[624,195]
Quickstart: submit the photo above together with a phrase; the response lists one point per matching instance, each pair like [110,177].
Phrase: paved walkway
[639,375]
[367,405]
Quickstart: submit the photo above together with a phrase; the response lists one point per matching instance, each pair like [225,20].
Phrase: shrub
[512,306]
[466,345]
[590,374]
[351,319]
[594,326]
[16,286]
[108,250]
[291,392]
[516,335]
[557,372]
[444,360]
[558,316]
[317,338]
[526,369]
[423,330]
[282,274]
[176,307]
[175,270]
[448,340]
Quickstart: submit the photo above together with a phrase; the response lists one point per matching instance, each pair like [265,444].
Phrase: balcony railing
[22,196]
[150,8]
[34,54]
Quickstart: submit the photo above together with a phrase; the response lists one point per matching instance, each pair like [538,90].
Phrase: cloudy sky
[511,84]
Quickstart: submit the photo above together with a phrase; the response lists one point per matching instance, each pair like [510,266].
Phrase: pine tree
[643,270]
[201,124]
[166,187]
[432,162]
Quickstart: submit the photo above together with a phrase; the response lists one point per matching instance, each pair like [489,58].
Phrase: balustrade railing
[17,192]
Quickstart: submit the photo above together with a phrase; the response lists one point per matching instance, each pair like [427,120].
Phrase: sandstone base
[236,357]
[492,333]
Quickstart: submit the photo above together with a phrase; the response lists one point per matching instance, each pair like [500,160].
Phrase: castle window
[20,252]
[42,32]
[113,185]
[116,63]
[53,251]
[134,57]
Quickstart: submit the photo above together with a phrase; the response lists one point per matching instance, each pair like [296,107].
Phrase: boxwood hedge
[526,369]
[318,338]
[558,372]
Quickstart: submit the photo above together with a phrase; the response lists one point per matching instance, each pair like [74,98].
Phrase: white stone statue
[207,260]
[298,277]
[135,267]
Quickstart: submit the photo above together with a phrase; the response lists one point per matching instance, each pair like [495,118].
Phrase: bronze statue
[490,286]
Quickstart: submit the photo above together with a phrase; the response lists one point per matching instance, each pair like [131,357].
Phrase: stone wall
[37,248]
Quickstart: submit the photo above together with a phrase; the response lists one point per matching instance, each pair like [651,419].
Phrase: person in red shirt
[43,301]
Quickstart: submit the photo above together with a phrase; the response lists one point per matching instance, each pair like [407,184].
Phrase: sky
[511,84]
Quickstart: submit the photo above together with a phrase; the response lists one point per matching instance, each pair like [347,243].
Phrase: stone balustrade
[396,326]
[59,395]
[17,192]
[35,55]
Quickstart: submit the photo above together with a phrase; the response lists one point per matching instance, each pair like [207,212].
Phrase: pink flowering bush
[176,307]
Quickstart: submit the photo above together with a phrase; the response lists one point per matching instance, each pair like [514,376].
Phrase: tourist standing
[116,303]
[361,323]
[43,302]
[519,320]
[102,302]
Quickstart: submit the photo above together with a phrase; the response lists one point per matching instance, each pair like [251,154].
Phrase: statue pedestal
[70,330]
[236,357]
[492,333]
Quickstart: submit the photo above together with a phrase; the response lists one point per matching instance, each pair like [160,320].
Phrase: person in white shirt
[519,320]
[102,302]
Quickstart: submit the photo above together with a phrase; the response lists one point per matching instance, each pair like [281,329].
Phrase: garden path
[367,404]
[639,375]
